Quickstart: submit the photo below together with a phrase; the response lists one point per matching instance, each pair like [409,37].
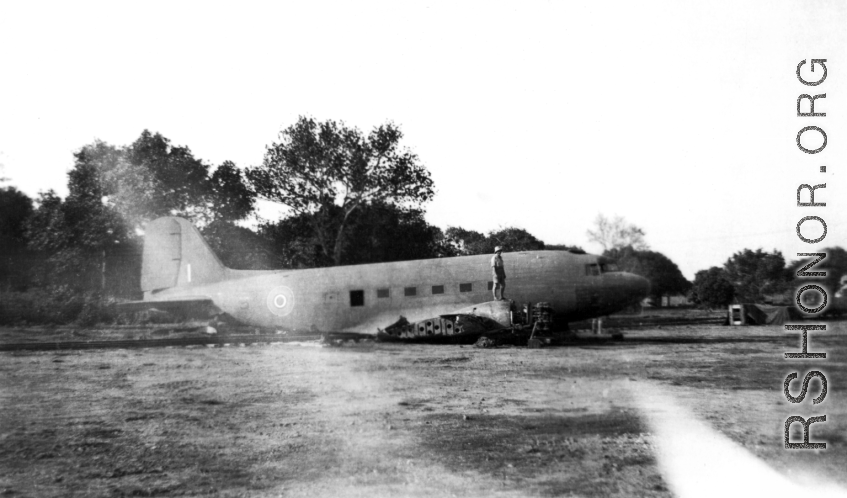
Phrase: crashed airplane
[431,298]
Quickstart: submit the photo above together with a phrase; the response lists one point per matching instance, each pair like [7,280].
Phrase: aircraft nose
[638,286]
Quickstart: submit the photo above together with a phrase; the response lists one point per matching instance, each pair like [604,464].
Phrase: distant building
[673,301]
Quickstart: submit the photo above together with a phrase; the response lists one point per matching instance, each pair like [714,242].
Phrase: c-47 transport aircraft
[180,269]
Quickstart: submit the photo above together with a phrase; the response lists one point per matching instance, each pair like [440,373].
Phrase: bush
[53,306]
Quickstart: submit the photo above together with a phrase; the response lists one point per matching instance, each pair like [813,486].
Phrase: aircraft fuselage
[363,298]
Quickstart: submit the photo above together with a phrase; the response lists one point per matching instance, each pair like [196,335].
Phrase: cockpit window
[592,270]
[609,267]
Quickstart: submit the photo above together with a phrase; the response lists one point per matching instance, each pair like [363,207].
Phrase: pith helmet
[498,249]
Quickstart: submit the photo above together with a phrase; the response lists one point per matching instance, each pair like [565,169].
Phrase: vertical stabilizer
[176,255]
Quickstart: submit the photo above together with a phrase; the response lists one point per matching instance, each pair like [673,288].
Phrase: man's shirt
[497,266]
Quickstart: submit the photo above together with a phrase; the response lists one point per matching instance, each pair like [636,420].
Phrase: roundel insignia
[280,301]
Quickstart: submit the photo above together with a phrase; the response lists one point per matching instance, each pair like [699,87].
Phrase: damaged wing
[465,325]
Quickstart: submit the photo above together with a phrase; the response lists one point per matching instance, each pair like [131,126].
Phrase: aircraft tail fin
[175,255]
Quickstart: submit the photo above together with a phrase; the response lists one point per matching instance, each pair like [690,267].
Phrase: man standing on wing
[499,273]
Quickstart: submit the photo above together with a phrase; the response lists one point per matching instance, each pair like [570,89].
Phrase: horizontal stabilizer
[178,304]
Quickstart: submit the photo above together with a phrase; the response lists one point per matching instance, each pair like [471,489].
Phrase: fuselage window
[609,267]
[592,270]
[465,287]
[357,298]
[381,293]
[490,285]
[410,291]
[438,289]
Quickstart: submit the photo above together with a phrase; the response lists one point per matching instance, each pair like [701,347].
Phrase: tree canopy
[381,232]
[376,232]
[15,209]
[565,247]
[241,248]
[617,233]
[113,191]
[754,274]
[152,178]
[466,242]
[514,239]
[835,266]
[664,275]
[317,166]
[469,242]
[712,288]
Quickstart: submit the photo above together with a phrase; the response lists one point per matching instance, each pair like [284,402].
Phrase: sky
[680,117]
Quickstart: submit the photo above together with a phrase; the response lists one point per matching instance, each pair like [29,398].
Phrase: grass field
[632,418]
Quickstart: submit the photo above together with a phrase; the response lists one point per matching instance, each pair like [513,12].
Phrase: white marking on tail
[188,271]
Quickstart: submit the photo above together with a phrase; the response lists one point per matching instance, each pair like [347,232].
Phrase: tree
[513,239]
[756,273]
[318,165]
[381,232]
[15,208]
[46,228]
[376,232]
[77,233]
[171,179]
[835,266]
[712,288]
[230,198]
[103,173]
[241,248]
[466,242]
[49,233]
[113,191]
[91,222]
[469,242]
[664,275]
[617,233]
[294,242]
[565,247]
[152,178]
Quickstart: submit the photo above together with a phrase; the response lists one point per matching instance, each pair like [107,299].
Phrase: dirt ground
[681,410]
